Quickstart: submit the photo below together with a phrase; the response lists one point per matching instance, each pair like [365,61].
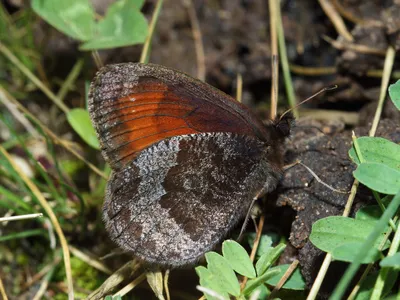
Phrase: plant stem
[380,282]
[273,12]
[285,65]
[352,269]
[22,217]
[43,202]
[198,40]
[387,70]
[144,58]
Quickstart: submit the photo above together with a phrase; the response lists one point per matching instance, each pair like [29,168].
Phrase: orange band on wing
[138,120]
[134,106]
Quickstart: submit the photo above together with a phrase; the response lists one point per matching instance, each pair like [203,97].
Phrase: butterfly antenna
[329,88]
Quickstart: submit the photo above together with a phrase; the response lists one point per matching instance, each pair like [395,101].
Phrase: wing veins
[133,152]
[99,116]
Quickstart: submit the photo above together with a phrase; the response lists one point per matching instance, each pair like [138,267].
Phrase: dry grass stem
[284,278]
[198,40]
[21,217]
[43,202]
[336,19]
[123,273]
[89,260]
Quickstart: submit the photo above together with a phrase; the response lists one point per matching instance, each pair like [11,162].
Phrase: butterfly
[187,160]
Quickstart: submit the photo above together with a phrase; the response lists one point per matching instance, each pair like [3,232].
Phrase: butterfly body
[187,161]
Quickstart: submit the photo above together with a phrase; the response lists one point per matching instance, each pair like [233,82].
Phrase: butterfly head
[283,124]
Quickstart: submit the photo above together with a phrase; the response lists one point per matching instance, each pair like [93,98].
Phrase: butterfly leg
[247,216]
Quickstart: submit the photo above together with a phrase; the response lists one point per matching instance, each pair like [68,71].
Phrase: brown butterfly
[187,160]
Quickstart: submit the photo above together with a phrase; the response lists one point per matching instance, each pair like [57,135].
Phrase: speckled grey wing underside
[182,195]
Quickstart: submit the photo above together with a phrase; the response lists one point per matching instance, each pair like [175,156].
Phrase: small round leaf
[79,120]
[238,258]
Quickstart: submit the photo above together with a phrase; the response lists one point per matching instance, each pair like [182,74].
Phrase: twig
[3,291]
[284,278]
[126,289]
[166,287]
[89,260]
[389,60]
[52,216]
[255,247]
[354,47]
[144,58]
[21,217]
[239,87]
[198,41]
[126,271]
[97,60]
[258,238]
[336,19]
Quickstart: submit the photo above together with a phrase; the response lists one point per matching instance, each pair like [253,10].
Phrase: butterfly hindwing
[182,195]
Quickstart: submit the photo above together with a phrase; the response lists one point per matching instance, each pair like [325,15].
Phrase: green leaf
[238,258]
[75,18]
[265,244]
[369,213]
[348,251]
[22,234]
[123,25]
[367,285]
[394,92]
[71,166]
[210,281]
[378,177]
[113,298]
[370,241]
[262,292]
[221,269]
[252,284]
[329,233]
[79,120]
[268,258]
[295,281]
[391,261]
[377,150]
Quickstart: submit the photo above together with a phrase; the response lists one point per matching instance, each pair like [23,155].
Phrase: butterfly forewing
[134,106]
